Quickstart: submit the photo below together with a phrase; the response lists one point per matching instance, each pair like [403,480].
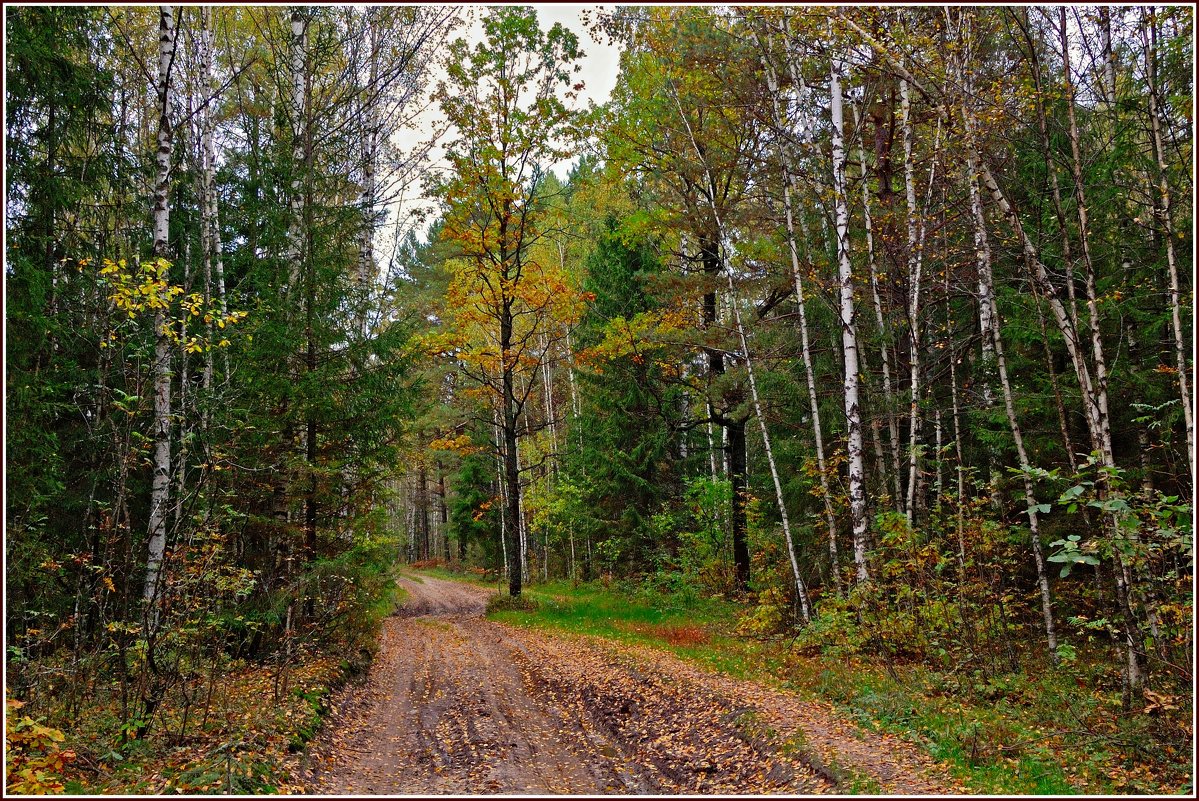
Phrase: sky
[599,67]
[600,61]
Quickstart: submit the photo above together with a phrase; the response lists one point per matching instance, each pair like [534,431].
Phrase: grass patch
[501,602]
[399,596]
[433,623]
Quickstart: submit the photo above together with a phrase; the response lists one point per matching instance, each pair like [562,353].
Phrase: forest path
[455,704]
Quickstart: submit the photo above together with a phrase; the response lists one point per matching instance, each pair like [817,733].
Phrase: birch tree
[1149,31]
[772,84]
[800,587]
[849,335]
[161,481]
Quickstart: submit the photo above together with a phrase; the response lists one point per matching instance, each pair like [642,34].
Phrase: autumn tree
[507,100]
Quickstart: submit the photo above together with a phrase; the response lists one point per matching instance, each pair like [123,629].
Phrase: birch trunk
[715,471]
[1101,419]
[297,49]
[1097,356]
[1180,342]
[961,470]
[830,517]
[161,481]
[501,482]
[204,44]
[985,276]
[849,336]
[915,261]
[1108,84]
[1063,423]
[521,524]
[1064,316]
[547,384]
[884,349]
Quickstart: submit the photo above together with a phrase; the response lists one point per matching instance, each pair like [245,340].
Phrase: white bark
[1108,84]
[940,484]
[961,469]
[1097,357]
[499,472]
[985,276]
[297,51]
[884,349]
[915,261]
[161,481]
[849,336]
[522,528]
[210,230]
[797,277]
[715,471]
[1064,316]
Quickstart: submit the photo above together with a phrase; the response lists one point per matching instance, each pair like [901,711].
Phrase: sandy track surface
[455,704]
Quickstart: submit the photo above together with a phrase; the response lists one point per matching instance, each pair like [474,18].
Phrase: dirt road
[455,704]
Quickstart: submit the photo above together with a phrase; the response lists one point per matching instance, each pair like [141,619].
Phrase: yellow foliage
[145,287]
[460,444]
[33,756]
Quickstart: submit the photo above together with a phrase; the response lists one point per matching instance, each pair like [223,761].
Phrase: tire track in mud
[456,704]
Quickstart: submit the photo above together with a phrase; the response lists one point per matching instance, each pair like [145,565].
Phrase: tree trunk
[849,336]
[813,402]
[443,513]
[522,523]
[501,480]
[734,429]
[1100,364]
[884,347]
[508,418]
[207,204]
[983,256]
[915,261]
[369,132]
[736,454]
[1101,419]
[297,50]
[422,514]
[161,482]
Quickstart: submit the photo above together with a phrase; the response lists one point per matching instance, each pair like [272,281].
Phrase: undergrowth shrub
[34,759]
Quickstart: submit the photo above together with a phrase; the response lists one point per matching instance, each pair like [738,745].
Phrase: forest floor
[457,704]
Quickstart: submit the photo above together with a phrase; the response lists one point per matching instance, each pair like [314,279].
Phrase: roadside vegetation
[233,720]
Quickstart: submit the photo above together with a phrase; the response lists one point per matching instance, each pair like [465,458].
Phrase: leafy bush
[34,760]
